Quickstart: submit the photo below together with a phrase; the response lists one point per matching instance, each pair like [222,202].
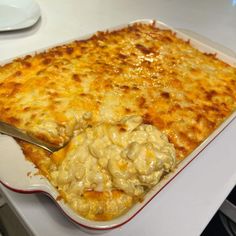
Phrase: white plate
[19,175]
[18,14]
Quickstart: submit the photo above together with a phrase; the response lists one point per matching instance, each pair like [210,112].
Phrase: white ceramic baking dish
[18,174]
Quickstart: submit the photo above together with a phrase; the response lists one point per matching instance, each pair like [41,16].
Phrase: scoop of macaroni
[129,156]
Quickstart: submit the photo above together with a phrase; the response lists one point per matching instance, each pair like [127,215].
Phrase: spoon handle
[17,133]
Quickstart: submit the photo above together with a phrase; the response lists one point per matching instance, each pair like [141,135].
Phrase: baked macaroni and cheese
[133,103]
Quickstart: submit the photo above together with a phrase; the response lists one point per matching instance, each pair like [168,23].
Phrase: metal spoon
[17,133]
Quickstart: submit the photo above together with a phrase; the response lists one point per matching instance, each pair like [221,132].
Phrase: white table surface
[188,203]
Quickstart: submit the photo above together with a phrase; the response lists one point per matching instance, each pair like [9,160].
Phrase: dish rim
[46,188]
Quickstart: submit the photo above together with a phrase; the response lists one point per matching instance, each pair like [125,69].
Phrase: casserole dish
[20,175]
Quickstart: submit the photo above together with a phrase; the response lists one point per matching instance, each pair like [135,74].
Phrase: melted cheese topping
[138,70]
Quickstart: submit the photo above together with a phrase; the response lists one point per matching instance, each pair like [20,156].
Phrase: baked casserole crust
[139,71]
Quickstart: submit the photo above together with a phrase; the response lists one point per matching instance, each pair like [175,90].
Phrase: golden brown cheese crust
[137,70]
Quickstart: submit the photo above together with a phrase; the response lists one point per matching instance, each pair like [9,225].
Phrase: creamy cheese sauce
[129,156]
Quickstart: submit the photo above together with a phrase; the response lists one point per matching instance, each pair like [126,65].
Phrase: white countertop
[187,204]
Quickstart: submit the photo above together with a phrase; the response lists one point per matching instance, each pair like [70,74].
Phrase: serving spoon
[10,130]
